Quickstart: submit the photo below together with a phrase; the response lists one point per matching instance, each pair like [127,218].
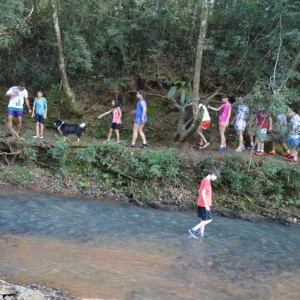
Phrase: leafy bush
[59,151]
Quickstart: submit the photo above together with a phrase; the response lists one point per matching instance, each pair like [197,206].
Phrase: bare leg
[42,129]
[241,139]
[141,133]
[135,133]
[117,135]
[201,226]
[109,133]
[202,137]
[37,128]
[19,125]
[222,135]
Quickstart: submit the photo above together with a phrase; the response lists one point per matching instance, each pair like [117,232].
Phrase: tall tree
[187,126]
[62,66]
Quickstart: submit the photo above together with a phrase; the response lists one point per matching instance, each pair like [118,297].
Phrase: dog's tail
[82,125]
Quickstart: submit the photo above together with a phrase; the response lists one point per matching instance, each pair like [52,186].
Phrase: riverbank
[177,197]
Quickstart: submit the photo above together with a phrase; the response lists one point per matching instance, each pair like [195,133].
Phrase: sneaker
[260,153]
[205,145]
[8,135]
[193,233]
[201,235]
[106,142]
[144,146]
[250,147]
[287,153]
[221,149]
[36,136]
[131,145]
[290,157]
[293,161]
[41,137]
[272,152]
[239,149]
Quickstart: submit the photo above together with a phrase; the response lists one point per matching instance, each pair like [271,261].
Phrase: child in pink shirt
[224,116]
[116,120]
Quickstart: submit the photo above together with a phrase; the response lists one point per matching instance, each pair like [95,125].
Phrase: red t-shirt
[263,119]
[205,185]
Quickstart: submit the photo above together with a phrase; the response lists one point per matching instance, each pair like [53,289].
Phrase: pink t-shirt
[224,112]
[116,115]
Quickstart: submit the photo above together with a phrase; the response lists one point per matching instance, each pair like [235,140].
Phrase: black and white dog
[64,128]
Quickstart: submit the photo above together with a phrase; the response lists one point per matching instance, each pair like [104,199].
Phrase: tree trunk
[185,129]
[62,67]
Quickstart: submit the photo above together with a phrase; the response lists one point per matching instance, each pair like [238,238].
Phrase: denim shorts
[139,121]
[39,119]
[294,141]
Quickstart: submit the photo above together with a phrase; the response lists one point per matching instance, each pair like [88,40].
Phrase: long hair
[117,103]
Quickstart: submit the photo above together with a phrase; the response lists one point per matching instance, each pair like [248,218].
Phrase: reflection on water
[109,251]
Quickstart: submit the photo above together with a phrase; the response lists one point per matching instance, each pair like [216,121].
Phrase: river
[96,249]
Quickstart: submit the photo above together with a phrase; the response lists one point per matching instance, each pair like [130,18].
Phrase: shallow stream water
[108,251]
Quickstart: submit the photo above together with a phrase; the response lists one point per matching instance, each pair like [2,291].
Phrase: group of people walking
[259,124]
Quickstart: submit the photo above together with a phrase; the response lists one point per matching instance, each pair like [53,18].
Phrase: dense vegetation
[119,44]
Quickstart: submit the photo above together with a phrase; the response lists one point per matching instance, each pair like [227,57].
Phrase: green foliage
[59,151]
[181,91]
[17,174]
[87,155]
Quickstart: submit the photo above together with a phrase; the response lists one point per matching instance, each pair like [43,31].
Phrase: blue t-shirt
[139,110]
[40,105]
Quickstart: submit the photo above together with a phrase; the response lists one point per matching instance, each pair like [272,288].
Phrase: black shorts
[203,213]
[39,119]
[115,126]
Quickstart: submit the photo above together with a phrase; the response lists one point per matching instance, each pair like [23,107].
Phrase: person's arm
[204,199]
[228,116]
[120,115]
[104,114]
[11,93]
[46,110]
[270,123]
[213,108]
[33,111]
[27,104]
[143,104]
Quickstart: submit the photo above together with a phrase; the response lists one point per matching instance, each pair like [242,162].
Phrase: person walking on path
[240,123]
[204,125]
[204,204]
[141,118]
[224,116]
[264,123]
[39,111]
[278,135]
[294,137]
[17,95]
[116,120]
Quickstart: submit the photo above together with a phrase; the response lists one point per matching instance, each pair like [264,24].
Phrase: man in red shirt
[204,204]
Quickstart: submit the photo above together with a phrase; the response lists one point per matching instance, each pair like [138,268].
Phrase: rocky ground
[33,291]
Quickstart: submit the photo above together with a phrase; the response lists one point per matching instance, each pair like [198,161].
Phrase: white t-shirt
[17,101]
[242,113]
[206,116]
[295,124]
